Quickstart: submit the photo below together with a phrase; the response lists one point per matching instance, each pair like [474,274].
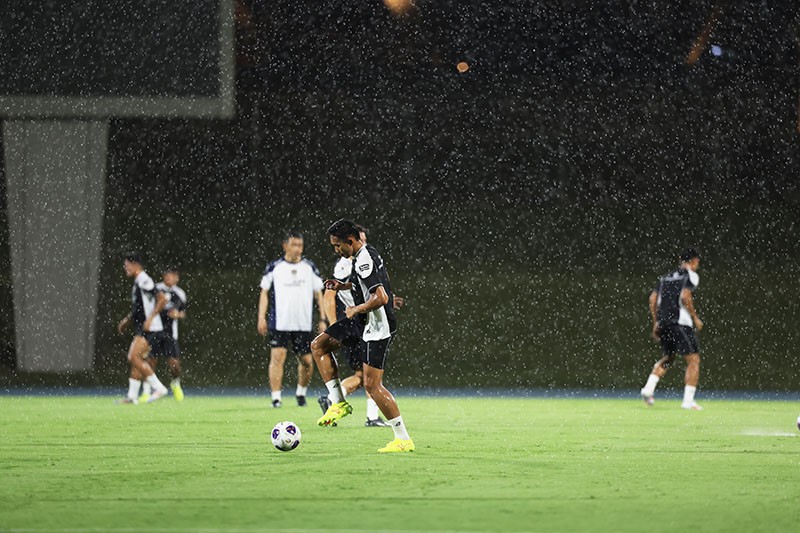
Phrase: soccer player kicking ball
[335,304]
[370,319]
[673,312]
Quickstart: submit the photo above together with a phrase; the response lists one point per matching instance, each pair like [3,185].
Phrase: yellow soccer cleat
[335,412]
[144,397]
[399,445]
[177,391]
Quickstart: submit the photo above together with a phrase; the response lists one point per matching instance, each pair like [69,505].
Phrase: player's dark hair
[292,234]
[362,229]
[169,269]
[133,256]
[343,229]
[689,254]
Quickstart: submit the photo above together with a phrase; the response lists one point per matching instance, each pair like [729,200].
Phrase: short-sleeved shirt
[369,273]
[291,289]
[669,289]
[176,299]
[143,301]
[344,299]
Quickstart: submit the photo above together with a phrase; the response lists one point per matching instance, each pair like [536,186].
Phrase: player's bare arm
[688,302]
[654,314]
[176,314]
[124,324]
[336,285]
[377,298]
[263,303]
[323,321]
[329,301]
[161,303]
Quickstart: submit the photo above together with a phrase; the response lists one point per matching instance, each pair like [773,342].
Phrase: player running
[288,290]
[335,304]
[371,319]
[174,310]
[673,312]
[147,326]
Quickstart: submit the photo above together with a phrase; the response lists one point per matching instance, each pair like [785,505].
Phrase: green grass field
[481,465]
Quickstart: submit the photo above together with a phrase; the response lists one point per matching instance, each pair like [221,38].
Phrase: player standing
[371,319]
[148,329]
[288,290]
[173,311]
[673,313]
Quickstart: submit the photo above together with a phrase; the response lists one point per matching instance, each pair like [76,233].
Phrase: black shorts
[347,331]
[678,339]
[159,341]
[375,352]
[355,355]
[169,348]
[300,341]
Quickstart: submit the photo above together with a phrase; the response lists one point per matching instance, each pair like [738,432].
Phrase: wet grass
[481,465]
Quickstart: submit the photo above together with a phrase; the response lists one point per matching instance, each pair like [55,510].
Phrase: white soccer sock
[276,395]
[399,428]
[650,386]
[176,382]
[146,388]
[335,392]
[133,388]
[372,409]
[344,395]
[154,382]
[688,394]
[301,391]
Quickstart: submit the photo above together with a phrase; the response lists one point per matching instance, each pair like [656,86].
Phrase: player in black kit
[148,329]
[173,311]
[335,304]
[371,320]
[674,315]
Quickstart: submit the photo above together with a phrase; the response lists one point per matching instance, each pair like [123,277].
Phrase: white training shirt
[143,299]
[291,289]
[341,272]
[685,318]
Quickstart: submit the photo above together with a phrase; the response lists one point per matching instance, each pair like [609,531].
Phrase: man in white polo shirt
[288,290]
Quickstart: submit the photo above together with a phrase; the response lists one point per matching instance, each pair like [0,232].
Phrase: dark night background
[524,207]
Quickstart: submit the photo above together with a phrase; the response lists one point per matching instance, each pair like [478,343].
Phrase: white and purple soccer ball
[286,436]
[798,422]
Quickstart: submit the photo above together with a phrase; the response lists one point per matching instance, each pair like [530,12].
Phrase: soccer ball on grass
[286,436]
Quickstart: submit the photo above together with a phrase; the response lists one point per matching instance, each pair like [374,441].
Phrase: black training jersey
[369,272]
[176,299]
[143,301]
[669,288]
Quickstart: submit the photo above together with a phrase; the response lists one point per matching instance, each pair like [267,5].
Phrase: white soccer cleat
[691,406]
[156,394]
[648,399]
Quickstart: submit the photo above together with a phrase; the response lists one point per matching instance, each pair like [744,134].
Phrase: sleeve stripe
[376,285]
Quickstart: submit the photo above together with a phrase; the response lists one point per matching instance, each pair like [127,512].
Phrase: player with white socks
[174,311]
[335,304]
[673,313]
[371,320]
[145,309]
[289,287]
